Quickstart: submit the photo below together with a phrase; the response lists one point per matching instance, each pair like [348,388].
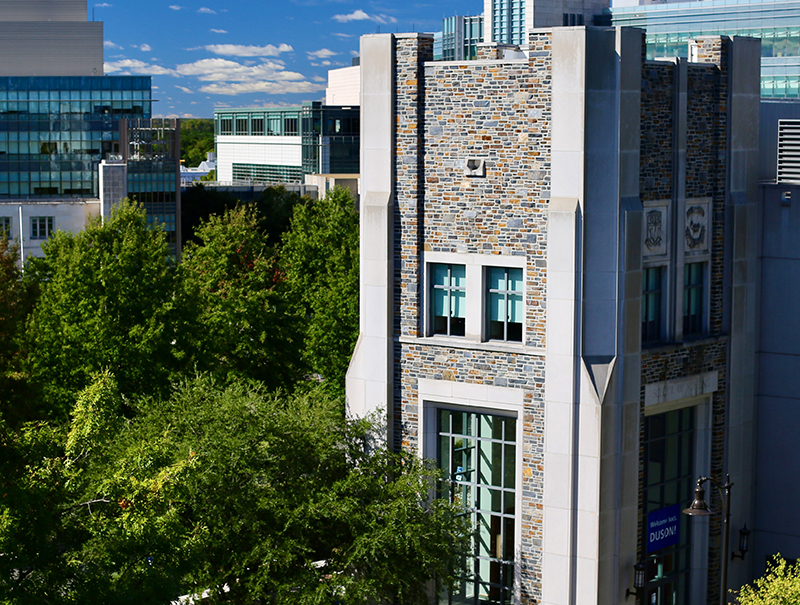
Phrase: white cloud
[146,48]
[134,66]
[342,35]
[323,53]
[224,70]
[206,11]
[110,44]
[219,31]
[240,50]
[175,7]
[360,15]
[188,91]
[273,88]
[103,5]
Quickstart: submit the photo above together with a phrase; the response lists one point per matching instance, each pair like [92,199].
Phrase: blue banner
[663,528]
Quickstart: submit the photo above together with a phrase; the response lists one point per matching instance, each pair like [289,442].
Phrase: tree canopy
[197,139]
[780,585]
[230,490]
[107,302]
[165,431]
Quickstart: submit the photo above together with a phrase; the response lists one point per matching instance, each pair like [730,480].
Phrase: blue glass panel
[515,280]
[458,276]
[440,275]
[459,306]
[515,308]
[497,278]
[496,307]
[440,303]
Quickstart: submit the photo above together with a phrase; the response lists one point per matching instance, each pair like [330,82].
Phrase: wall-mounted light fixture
[744,535]
[638,579]
[786,198]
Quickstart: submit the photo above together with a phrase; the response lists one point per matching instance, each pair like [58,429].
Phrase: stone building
[558,292]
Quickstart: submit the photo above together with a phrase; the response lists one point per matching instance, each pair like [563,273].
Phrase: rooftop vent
[789,151]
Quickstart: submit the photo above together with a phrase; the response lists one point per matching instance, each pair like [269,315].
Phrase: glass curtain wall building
[507,21]
[671,25]
[55,130]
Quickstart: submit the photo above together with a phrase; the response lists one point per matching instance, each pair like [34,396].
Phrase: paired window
[502,302]
[655,327]
[226,126]
[241,125]
[449,299]
[479,453]
[41,227]
[5,227]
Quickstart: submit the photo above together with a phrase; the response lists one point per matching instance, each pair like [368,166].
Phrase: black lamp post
[699,508]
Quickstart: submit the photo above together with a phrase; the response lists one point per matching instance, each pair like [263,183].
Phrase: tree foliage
[779,586]
[106,302]
[247,495]
[231,278]
[319,257]
[197,139]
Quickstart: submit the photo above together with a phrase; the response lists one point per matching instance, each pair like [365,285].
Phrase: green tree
[319,258]
[779,586]
[107,301]
[231,278]
[197,139]
[251,496]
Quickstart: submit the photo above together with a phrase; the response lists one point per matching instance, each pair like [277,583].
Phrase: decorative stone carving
[696,231]
[655,237]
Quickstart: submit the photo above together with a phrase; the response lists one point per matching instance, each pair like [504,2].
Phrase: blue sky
[249,53]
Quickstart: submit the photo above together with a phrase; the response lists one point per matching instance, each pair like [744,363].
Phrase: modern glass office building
[671,25]
[55,130]
[459,38]
[506,18]
[264,145]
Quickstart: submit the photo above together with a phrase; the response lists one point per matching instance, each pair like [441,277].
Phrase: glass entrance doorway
[669,476]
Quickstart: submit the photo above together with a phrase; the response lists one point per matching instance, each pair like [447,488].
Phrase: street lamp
[699,508]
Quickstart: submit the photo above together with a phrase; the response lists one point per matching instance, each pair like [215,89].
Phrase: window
[479,452]
[651,304]
[504,304]
[449,299]
[226,126]
[669,455]
[290,126]
[693,307]
[258,126]
[274,125]
[41,227]
[241,126]
[5,227]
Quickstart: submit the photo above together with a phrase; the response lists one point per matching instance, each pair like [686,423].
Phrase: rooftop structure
[266,145]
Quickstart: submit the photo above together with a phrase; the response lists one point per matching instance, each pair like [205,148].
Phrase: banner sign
[663,528]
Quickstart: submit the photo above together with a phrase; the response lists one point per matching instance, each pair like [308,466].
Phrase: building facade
[670,26]
[558,300]
[263,145]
